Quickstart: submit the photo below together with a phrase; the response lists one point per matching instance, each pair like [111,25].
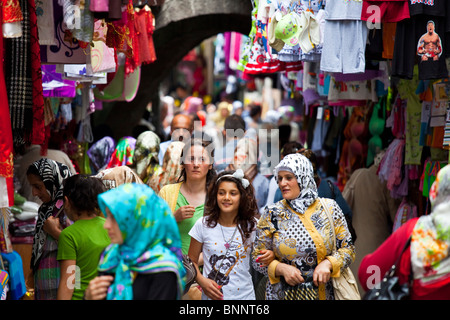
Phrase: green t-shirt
[186,225]
[84,242]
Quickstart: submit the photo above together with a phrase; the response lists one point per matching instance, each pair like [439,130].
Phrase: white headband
[238,174]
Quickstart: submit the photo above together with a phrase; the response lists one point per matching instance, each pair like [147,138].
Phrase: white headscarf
[303,170]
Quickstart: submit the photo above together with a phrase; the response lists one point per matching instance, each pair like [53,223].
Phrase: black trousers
[156,286]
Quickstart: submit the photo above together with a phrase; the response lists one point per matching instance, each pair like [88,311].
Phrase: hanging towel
[17,279]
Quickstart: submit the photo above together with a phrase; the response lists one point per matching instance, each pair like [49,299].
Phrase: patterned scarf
[52,173]
[123,154]
[19,80]
[146,154]
[151,241]
[171,169]
[303,170]
[100,152]
[430,240]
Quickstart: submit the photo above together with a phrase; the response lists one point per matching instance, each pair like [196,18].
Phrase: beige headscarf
[114,177]
[169,172]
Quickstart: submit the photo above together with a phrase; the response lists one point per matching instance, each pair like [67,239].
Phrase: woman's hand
[98,288]
[322,273]
[210,288]
[265,258]
[184,212]
[52,226]
[291,274]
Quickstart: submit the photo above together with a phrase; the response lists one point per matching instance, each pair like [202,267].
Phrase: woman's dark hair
[248,207]
[291,147]
[210,176]
[82,191]
[313,159]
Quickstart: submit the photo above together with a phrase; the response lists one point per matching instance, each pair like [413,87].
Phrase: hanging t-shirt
[418,40]
[232,271]
[429,7]
[377,11]
[343,10]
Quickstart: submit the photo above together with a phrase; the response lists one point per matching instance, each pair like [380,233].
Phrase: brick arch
[181,25]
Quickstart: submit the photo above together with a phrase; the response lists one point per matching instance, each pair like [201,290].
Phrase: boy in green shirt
[81,244]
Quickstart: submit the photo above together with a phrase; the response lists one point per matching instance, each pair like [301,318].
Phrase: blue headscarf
[151,240]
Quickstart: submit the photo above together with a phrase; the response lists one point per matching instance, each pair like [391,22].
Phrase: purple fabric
[65,89]
[367,75]
[100,152]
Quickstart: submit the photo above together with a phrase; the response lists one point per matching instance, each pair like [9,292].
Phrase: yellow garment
[282,239]
[170,194]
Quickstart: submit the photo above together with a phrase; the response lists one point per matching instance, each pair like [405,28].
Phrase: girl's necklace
[227,243]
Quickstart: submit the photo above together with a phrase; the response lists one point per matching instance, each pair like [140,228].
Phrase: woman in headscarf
[145,254]
[46,179]
[299,233]
[114,177]
[123,153]
[100,153]
[428,253]
[145,158]
[169,172]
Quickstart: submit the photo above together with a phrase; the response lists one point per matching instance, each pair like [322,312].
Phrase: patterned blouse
[302,240]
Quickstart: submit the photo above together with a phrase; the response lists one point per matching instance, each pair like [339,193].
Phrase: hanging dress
[10,13]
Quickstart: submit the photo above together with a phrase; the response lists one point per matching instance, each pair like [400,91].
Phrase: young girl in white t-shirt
[225,236]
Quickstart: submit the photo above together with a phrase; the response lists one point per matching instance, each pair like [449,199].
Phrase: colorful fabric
[47,275]
[123,154]
[17,286]
[6,134]
[303,170]
[151,241]
[100,152]
[4,278]
[170,171]
[52,174]
[19,80]
[146,154]
[430,240]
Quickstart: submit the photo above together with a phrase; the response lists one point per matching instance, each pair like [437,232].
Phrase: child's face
[228,197]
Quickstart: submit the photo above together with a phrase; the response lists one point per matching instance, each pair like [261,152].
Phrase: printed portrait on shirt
[429,47]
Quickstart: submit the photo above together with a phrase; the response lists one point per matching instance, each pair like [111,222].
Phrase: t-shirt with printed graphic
[232,271]
[420,40]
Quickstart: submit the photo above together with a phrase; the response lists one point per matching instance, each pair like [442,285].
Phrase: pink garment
[390,169]
[102,57]
[99,5]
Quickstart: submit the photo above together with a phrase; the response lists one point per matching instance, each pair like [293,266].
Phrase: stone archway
[180,26]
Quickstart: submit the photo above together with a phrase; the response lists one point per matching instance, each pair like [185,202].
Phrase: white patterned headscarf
[303,170]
